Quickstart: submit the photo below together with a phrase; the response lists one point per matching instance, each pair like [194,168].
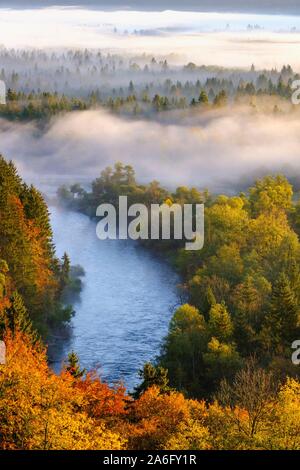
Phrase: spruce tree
[36,210]
[65,271]
[3,271]
[283,316]
[203,98]
[151,376]
[220,324]
[17,316]
[73,366]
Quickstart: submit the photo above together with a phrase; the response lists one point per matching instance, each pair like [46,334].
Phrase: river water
[127,300]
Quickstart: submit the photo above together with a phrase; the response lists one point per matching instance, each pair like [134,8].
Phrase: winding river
[126,303]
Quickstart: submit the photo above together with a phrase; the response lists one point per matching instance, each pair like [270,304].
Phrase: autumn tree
[249,397]
[185,343]
[42,411]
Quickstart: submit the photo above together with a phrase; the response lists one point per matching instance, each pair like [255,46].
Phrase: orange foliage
[100,400]
[157,418]
[44,276]
[40,410]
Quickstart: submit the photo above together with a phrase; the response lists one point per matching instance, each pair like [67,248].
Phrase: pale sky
[259,6]
[204,38]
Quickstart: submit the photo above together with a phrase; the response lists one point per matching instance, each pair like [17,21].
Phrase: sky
[259,6]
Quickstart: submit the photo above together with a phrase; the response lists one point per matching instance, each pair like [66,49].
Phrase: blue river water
[126,303]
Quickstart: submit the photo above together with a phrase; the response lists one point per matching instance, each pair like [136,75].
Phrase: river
[126,303]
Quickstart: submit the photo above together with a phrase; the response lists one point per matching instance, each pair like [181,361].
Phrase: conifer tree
[151,376]
[73,366]
[220,324]
[282,319]
[36,210]
[65,270]
[3,271]
[17,317]
[203,98]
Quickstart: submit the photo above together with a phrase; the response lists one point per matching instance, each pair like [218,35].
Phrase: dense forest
[213,95]
[40,85]
[245,288]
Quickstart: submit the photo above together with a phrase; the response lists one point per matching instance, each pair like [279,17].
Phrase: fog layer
[219,152]
[210,38]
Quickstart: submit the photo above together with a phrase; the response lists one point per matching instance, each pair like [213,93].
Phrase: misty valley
[141,341]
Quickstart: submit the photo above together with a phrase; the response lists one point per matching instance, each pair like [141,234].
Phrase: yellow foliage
[39,410]
[285,433]
[164,421]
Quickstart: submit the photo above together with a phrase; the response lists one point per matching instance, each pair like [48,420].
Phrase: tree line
[149,99]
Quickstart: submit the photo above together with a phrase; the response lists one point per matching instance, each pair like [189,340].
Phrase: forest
[137,86]
[224,378]
[107,108]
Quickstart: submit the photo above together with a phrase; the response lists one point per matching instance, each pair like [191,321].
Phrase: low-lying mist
[235,40]
[223,151]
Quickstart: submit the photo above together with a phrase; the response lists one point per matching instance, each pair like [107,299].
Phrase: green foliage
[221,360]
[270,193]
[220,324]
[182,352]
[65,271]
[17,318]
[281,325]
[152,376]
[3,272]
[203,98]
[250,262]
[245,281]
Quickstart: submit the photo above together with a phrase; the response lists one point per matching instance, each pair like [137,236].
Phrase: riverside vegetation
[214,395]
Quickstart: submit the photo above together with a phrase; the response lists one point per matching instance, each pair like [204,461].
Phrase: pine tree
[244,333]
[73,366]
[208,301]
[17,317]
[151,376]
[10,182]
[65,271]
[220,323]
[203,98]
[210,297]
[3,271]
[36,210]
[282,319]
